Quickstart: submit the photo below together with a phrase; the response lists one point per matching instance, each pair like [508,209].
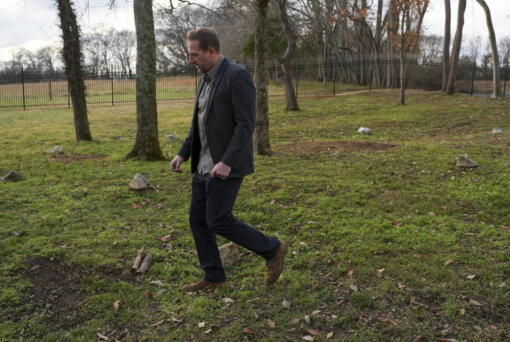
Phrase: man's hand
[220,171]
[176,163]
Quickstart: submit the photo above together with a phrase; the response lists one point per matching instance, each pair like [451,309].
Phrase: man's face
[202,59]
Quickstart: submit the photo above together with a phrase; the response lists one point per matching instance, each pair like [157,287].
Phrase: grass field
[389,241]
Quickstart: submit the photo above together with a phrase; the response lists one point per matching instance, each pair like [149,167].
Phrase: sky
[34,23]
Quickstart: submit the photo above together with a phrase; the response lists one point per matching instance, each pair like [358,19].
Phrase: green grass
[403,226]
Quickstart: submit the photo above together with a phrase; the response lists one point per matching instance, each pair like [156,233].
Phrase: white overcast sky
[34,23]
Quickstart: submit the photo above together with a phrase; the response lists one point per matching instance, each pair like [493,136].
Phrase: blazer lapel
[216,81]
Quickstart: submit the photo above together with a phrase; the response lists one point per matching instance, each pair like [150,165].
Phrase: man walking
[220,145]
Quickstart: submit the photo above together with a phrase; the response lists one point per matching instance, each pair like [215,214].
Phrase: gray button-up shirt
[205,163]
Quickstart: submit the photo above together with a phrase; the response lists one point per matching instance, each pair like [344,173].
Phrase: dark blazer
[229,121]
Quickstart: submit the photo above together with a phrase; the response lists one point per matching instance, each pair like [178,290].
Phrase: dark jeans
[212,200]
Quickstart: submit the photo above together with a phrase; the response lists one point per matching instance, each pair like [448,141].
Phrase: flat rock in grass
[140,182]
[364,130]
[466,163]
[172,138]
[12,176]
[229,254]
[56,149]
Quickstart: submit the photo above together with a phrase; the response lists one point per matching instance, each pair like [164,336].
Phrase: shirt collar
[214,70]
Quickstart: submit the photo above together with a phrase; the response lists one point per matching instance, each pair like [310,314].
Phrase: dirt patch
[67,158]
[334,147]
[57,286]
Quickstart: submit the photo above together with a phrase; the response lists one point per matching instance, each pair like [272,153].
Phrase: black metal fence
[22,90]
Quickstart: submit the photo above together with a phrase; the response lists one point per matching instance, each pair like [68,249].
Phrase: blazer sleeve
[185,150]
[243,107]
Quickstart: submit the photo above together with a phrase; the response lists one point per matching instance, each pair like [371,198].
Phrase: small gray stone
[12,176]
[497,131]
[229,254]
[171,138]
[364,130]
[466,163]
[140,182]
[56,149]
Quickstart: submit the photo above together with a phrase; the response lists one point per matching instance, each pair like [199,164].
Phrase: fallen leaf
[448,262]
[273,201]
[471,276]
[493,327]
[249,331]
[462,311]
[166,238]
[160,292]
[339,302]
[397,224]
[286,304]
[334,316]
[148,294]
[294,321]
[136,206]
[16,233]
[474,302]
[503,284]
[416,255]
[201,324]
[103,337]
[307,338]
[208,331]
[350,272]
[156,282]
[307,319]
[271,323]
[116,305]
[158,323]
[313,331]
[316,312]
[228,300]
[354,288]
[113,200]
[329,335]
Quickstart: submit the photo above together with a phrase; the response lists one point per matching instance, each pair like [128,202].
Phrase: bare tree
[262,143]
[290,94]
[122,50]
[457,42]
[72,56]
[147,143]
[446,44]
[494,50]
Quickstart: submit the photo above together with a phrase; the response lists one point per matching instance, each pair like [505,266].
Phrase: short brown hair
[206,37]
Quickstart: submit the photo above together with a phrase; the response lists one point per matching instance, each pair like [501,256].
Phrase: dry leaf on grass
[313,331]
[116,305]
[201,324]
[271,323]
[165,238]
[249,331]
[286,304]
[307,338]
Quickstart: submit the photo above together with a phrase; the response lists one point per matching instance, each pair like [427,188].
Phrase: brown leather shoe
[199,285]
[275,265]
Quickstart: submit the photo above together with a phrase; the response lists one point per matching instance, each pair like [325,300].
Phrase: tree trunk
[262,120]
[290,94]
[452,74]
[71,54]
[494,48]
[446,44]
[403,46]
[147,143]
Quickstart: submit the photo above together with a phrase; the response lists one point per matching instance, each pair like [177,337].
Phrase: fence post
[111,83]
[23,86]
[49,89]
[297,78]
[506,76]
[473,78]
[334,77]
[68,97]
[370,77]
